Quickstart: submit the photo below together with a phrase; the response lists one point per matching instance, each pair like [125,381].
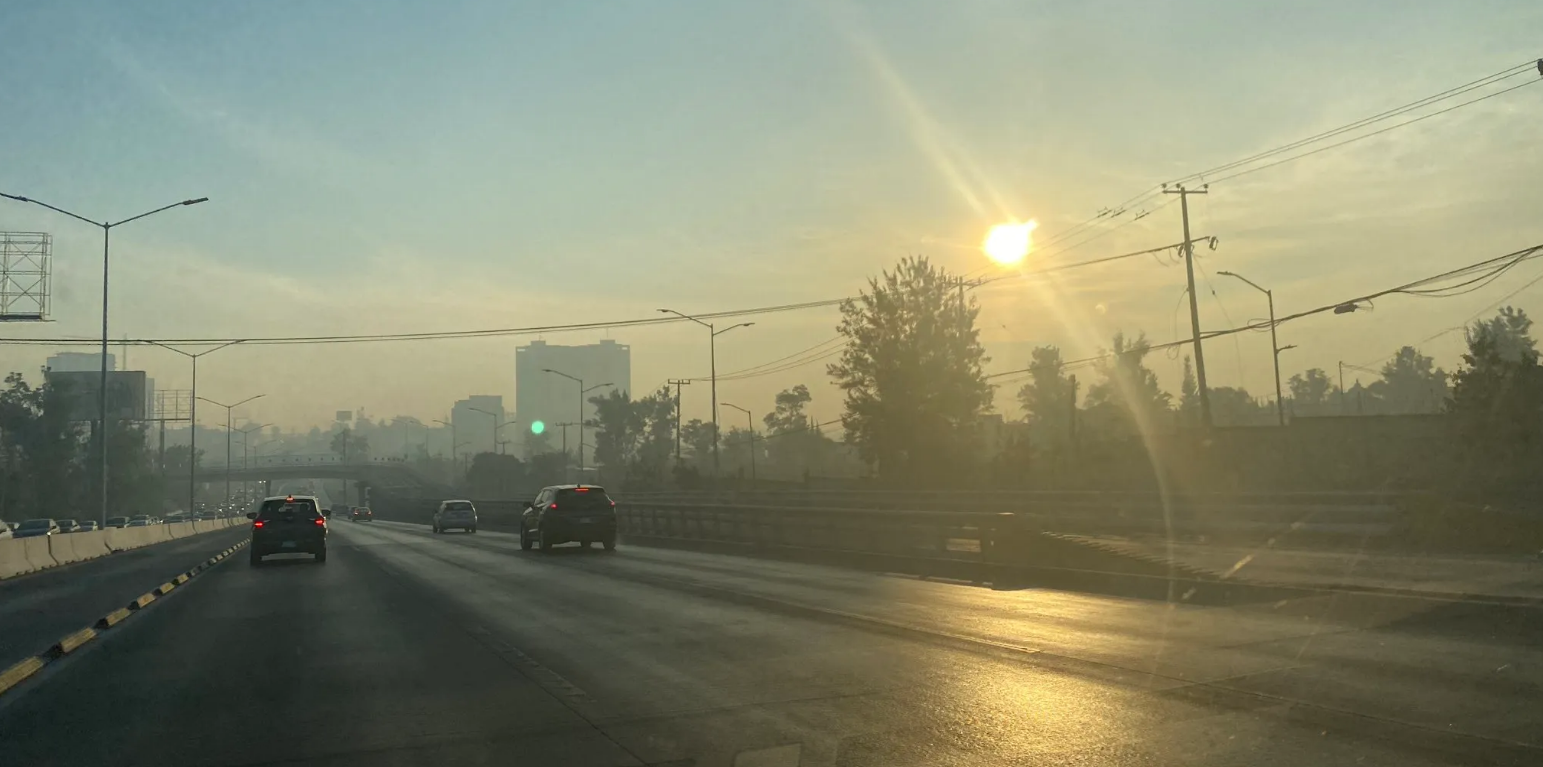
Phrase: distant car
[455,515]
[175,518]
[142,522]
[33,528]
[88,525]
[5,530]
[569,513]
[68,526]
[362,514]
[117,521]
[288,524]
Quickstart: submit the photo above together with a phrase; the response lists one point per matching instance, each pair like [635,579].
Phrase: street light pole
[101,403]
[496,426]
[193,414]
[246,453]
[712,353]
[228,410]
[1275,350]
[750,421]
[582,391]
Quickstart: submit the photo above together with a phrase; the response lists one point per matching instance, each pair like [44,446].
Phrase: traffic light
[536,427]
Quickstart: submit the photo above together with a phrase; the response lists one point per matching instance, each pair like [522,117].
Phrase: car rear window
[583,499]
[458,506]
[275,508]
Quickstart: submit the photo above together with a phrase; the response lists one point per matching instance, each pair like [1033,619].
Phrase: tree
[1497,399]
[793,442]
[350,446]
[1411,383]
[1310,392]
[42,449]
[1189,395]
[616,425]
[698,438]
[1047,397]
[1234,406]
[912,375]
[1128,400]
[495,475]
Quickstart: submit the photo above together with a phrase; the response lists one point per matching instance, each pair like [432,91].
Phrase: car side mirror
[327,514]
[251,515]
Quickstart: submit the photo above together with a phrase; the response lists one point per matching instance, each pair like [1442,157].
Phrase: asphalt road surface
[422,649]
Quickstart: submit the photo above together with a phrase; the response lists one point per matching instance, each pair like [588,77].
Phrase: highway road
[409,648]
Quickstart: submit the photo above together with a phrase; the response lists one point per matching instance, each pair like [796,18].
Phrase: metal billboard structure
[26,263]
[125,394]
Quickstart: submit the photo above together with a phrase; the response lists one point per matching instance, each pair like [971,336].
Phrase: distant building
[553,399]
[80,362]
[475,420]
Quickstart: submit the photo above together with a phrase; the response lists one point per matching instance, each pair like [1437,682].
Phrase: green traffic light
[536,427]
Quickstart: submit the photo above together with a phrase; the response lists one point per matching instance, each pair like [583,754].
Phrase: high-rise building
[80,362]
[553,399]
[475,420]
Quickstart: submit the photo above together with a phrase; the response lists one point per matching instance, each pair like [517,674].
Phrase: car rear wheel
[542,541]
[584,544]
[255,558]
[610,544]
[472,530]
[321,556]
[524,540]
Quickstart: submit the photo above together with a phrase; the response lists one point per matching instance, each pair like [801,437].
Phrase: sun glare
[1008,243]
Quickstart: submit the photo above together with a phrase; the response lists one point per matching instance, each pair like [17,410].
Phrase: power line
[1380,116]
[1498,264]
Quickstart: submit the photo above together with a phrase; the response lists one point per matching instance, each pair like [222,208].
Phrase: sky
[381,166]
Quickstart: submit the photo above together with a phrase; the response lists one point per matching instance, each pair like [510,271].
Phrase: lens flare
[1008,243]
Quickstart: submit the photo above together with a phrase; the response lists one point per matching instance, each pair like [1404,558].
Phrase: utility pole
[1072,420]
[1342,409]
[677,383]
[1194,304]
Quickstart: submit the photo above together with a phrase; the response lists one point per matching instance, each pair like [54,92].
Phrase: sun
[1007,244]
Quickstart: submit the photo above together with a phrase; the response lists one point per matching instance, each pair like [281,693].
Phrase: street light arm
[686,317]
[1251,283]
[248,399]
[560,373]
[717,333]
[153,212]
[19,198]
[596,386]
[212,402]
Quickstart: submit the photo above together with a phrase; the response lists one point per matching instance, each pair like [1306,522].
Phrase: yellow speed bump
[72,642]
[181,579]
[164,589]
[113,618]
[19,672]
[142,601]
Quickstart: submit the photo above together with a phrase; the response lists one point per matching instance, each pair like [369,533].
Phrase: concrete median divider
[13,558]
[78,547]
[37,552]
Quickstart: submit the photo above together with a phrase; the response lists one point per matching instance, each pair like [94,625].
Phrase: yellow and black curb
[24,669]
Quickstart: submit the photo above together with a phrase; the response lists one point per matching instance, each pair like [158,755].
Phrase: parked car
[455,515]
[88,525]
[142,522]
[117,521]
[68,526]
[177,517]
[36,527]
[569,513]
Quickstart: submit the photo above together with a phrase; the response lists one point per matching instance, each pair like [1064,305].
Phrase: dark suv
[288,524]
[568,513]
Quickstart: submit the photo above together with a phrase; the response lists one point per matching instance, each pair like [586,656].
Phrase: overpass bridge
[382,476]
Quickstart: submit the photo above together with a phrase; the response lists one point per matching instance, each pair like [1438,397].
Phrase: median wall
[19,556]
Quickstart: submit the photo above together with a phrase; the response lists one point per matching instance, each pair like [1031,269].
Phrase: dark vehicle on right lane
[288,524]
[568,514]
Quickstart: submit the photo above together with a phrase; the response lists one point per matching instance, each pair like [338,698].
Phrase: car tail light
[553,507]
[258,523]
[321,521]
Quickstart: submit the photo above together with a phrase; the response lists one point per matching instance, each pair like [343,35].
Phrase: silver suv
[455,515]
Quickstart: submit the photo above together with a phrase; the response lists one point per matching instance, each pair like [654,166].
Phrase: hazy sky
[378,166]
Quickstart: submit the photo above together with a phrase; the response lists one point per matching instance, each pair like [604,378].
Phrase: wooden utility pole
[1194,304]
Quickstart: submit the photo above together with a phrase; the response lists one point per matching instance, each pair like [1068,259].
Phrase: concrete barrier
[78,547]
[37,552]
[13,558]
